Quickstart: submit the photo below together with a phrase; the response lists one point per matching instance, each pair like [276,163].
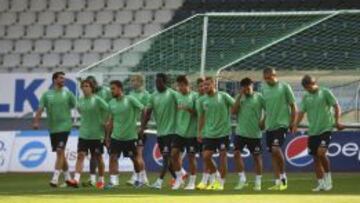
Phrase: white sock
[178,175]
[242,177]
[328,178]
[143,177]
[218,175]
[133,176]
[92,178]
[183,172]
[56,175]
[67,175]
[277,181]
[258,179]
[137,177]
[321,182]
[283,176]
[101,179]
[114,180]
[205,178]
[222,181]
[212,178]
[192,180]
[77,177]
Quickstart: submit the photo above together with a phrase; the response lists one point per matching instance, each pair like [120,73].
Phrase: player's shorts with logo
[252,144]
[165,143]
[275,138]
[59,140]
[127,148]
[216,144]
[191,145]
[316,141]
[92,146]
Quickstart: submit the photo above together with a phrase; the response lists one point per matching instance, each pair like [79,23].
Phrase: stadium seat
[51,59]
[132,30]
[104,17]
[130,59]
[85,17]
[112,31]
[4,5]
[120,44]
[31,60]
[81,45]
[38,5]
[123,17]
[69,60]
[89,58]
[46,18]
[15,32]
[95,5]
[101,45]
[18,5]
[134,4]
[153,4]
[11,60]
[23,46]
[54,31]
[115,4]
[34,31]
[73,31]
[93,31]
[163,16]
[62,46]
[143,16]
[150,29]
[27,18]
[6,46]
[173,4]
[7,18]
[65,18]
[57,5]
[2,32]
[42,46]
[77,5]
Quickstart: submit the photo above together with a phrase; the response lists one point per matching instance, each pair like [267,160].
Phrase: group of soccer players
[195,122]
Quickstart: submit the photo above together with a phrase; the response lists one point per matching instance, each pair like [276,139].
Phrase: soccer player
[138,91]
[124,110]
[280,115]
[104,93]
[91,131]
[213,131]
[58,102]
[163,103]
[185,137]
[248,107]
[317,104]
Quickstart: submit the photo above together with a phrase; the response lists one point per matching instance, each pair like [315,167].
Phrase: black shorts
[92,146]
[128,148]
[215,144]
[59,140]
[316,141]
[275,138]
[191,145]
[164,143]
[253,144]
[141,141]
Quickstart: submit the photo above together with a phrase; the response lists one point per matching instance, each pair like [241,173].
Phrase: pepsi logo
[296,152]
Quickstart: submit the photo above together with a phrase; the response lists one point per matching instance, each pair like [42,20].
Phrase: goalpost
[230,46]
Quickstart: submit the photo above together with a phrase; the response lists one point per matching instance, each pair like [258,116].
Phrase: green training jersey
[163,105]
[141,95]
[124,113]
[185,120]
[92,127]
[249,115]
[318,107]
[104,93]
[58,105]
[277,105]
[216,109]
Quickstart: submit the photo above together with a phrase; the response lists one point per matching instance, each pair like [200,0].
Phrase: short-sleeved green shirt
[104,93]
[277,105]
[164,108]
[186,121]
[141,95]
[58,105]
[216,109]
[318,107]
[249,116]
[124,113]
[92,126]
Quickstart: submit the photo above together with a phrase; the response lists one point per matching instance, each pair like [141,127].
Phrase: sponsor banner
[20,93]
[33,153]
[6,145]
[344,154]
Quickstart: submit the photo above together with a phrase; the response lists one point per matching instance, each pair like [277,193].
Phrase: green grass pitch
[33,187]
